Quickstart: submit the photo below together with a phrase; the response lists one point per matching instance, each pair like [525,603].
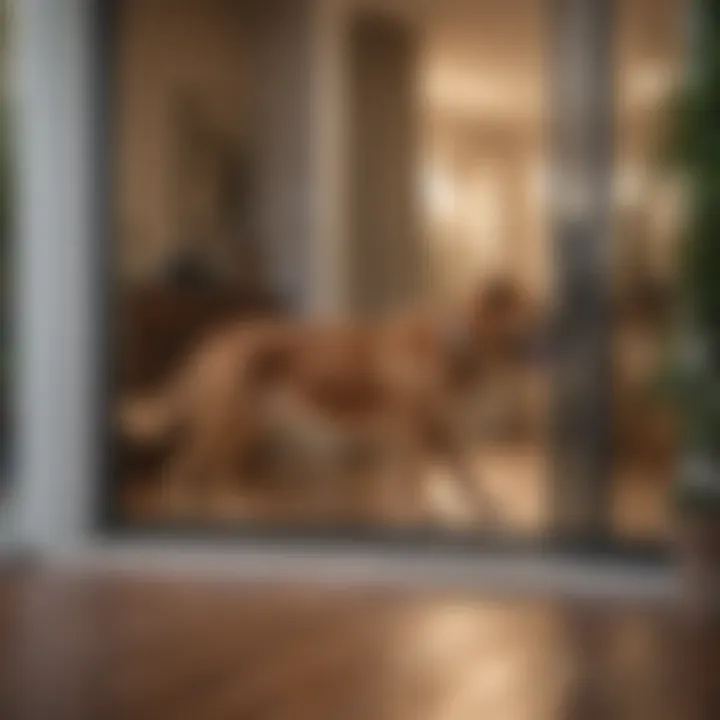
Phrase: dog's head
[499,327]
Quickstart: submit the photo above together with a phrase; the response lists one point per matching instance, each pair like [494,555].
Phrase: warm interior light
[439,194]
[629,187]
[648,85]
[464,92]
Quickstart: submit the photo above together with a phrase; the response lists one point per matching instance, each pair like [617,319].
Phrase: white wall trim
[488,573]
[51,64]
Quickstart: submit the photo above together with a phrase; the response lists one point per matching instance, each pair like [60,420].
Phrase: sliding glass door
[365,259]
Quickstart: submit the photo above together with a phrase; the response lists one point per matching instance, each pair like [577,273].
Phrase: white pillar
[328,272]
[385,255]
[57,251]
[301,165]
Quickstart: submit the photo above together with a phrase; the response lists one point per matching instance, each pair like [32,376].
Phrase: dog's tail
[150,419]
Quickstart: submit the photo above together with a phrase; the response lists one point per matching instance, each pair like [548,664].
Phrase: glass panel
[581,180]
[647,219]
[363,186]
[485,167]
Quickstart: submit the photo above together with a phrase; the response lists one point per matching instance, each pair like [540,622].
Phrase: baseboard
[488,572]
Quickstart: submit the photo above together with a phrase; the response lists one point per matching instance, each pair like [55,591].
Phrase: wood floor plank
[85,646]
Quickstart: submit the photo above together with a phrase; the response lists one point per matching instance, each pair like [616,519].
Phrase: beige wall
[274,76]
[169,49]
[385,244]
[248,66]
[484,206]
[649,59]
[285,151]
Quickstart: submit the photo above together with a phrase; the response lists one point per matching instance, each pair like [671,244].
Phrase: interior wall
[286,155]
[274,80]
[385,249]
[172,52]
[484,185]
[649,54]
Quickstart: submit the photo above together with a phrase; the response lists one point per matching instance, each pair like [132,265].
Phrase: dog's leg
[459,458]
[401,480]
[196,479]
[179,481]
[326,485]
[407,486]
[324,480]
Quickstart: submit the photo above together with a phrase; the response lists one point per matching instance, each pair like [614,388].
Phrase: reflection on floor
[117,647]
[514,477]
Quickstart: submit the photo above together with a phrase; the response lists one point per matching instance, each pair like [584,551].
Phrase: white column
[57,254]
[301,160]
[328,272]
[385,256]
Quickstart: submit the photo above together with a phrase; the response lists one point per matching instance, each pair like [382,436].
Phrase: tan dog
[400,391]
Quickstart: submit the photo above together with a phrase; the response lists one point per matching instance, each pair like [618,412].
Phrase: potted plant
[692,378]
[691,384]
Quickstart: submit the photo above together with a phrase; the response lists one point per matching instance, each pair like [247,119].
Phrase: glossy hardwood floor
[119,647]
